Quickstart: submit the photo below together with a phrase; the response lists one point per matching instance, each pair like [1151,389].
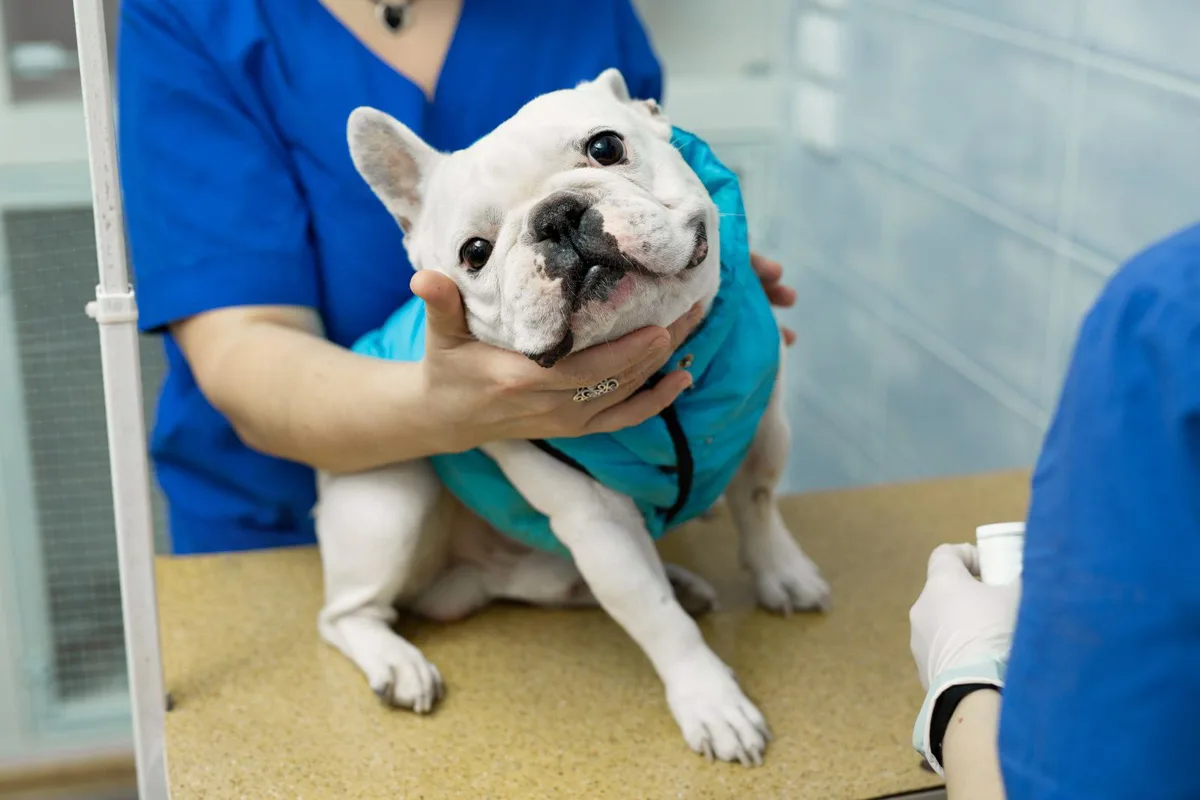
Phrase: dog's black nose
[558,215]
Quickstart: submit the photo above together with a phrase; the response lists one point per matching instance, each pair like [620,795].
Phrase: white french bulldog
[486,216]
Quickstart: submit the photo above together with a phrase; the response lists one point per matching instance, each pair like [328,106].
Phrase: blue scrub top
[1102,698]
[239,190]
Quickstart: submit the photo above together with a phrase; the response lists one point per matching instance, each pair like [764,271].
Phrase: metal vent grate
[52,266]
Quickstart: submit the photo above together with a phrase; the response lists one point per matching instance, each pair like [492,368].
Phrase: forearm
[969,753]
[290,393]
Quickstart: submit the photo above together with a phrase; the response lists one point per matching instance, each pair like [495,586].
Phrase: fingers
[954,561]
[641,353]
[780,295]
[768,271]
[789,335]
[631,380]
[447,321]
[679,331]
[611,359]
[682,328]
[641,406]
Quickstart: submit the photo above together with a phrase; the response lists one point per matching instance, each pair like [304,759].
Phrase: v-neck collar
[352,40]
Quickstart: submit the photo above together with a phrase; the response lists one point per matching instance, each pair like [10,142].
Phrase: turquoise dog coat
[673,466]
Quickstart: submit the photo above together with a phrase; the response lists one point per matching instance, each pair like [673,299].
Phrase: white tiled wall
[997,160]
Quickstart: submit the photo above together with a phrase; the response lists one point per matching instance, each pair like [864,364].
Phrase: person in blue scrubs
[1100,694]
[261,255]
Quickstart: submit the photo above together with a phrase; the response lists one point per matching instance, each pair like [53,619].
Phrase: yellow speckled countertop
[561,704]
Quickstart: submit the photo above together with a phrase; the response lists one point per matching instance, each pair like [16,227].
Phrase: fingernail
[660,342]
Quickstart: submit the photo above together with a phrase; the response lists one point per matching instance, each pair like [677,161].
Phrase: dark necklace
[395,15]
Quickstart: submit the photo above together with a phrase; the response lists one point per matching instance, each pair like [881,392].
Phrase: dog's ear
[393,160]
[655,116]
[612,82]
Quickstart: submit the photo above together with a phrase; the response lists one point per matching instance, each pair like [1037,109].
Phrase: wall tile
[1139,169]
[1155,33]
[943,423]
[988,114]
[979,286]
[840,211]
[874,70]
[1053,17]
[820,457]
[702,37]
[969,114]
[834,357]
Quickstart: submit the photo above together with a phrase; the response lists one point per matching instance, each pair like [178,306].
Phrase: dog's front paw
[791,582]
[717,719]
[401,677]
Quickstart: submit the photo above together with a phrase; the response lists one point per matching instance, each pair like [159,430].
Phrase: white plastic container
[1000,549]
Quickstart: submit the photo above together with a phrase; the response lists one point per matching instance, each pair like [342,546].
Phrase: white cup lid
[997,529]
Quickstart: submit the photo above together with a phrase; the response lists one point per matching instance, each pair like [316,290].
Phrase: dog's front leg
[614,552]
[786,578]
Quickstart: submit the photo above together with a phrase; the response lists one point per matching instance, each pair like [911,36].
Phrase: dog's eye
[475,253]
[606,149]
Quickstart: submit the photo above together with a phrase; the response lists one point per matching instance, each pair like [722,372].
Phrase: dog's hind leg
[382,535]
[489,567]
[532,577]
[786,579]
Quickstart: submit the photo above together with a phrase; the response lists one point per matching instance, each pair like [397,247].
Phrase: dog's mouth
[607,282]
[548,358]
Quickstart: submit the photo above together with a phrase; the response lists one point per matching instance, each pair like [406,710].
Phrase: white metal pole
[115,310]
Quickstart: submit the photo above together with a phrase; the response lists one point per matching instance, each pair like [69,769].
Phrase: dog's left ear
[612,82]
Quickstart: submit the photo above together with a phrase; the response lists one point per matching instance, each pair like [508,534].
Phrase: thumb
[446,321]
[954,561]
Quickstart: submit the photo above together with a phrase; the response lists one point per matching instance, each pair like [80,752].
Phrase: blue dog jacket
[674,466]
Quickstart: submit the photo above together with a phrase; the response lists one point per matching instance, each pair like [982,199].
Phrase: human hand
[958,622]
[479,393]
[961,631]
[770,274]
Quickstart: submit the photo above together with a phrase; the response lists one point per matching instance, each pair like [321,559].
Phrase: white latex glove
[961,631]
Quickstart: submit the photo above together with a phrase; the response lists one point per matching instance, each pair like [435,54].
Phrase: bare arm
[969,749]
[290,393]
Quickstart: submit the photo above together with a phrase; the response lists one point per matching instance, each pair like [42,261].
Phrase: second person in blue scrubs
[260,254]
[1101,692]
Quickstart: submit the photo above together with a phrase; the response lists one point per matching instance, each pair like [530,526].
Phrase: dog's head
[574,222]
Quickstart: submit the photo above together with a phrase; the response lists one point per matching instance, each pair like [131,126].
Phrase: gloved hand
[961,631]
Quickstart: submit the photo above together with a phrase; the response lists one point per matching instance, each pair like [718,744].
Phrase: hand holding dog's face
[575,222]
[478,393]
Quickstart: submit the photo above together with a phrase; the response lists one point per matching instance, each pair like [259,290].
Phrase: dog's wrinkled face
[574,222]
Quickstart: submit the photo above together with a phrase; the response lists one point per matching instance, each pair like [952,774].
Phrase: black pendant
[394,16]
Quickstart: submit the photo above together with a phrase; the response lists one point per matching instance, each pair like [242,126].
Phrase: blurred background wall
[990,162]
[948,183]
